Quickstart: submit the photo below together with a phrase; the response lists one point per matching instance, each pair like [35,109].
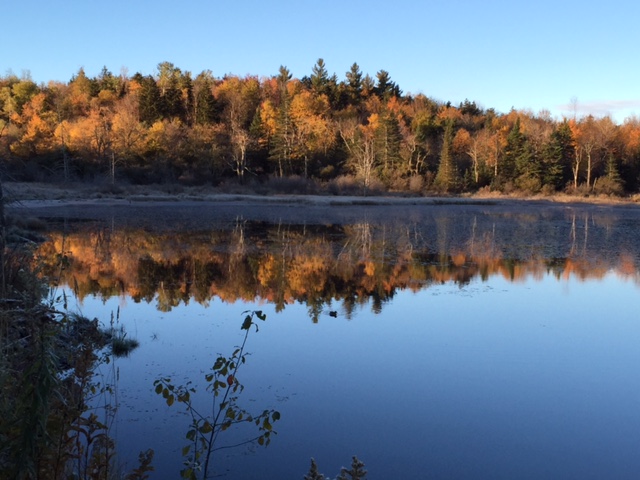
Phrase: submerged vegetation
[356,135]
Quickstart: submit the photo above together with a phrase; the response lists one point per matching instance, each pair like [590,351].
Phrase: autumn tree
[480,148]
[128,131]
[240,98]
[592,137]
[313,135]
[360,143]
[37,126]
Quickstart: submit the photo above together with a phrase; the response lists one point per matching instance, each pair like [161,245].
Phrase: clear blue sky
[501,54]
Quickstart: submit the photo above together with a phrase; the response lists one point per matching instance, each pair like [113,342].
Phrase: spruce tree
[319,78]
[148,99]
[354,85]
[447,176]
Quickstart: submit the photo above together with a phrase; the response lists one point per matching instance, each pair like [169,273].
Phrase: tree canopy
[172,125]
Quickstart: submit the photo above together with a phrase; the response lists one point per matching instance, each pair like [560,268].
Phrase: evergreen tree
[515,143]
[314,474]
[206,108]
[107,81]
[319,78]
[388,144]
[281,144]
[385,88]
[148,99]
[354,85]
[447,176]
[356,472]
[186,87]
[557,157]
[368,86]
[171,102]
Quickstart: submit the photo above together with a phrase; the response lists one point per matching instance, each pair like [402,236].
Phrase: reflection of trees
[358,264]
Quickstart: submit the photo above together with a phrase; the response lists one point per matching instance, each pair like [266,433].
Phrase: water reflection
[500,332]
[368,260]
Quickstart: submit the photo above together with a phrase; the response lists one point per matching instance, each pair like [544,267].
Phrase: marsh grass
[49,381]
[121,346]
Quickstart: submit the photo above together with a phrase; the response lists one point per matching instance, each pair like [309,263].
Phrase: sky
[567,57]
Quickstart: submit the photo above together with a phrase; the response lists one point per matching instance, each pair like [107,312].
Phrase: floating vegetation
[121,346]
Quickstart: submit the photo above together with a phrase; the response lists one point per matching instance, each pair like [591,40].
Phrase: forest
[356,135]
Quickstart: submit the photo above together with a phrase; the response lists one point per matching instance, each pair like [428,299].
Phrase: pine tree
[354,85]
[282,140]
[206,108]
[388,143]
[148,99]
[513,149]
[557,157]
[447,176]
[313,472]
[356,472]
[319,78]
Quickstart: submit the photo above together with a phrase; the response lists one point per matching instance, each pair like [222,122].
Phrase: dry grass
[21,192]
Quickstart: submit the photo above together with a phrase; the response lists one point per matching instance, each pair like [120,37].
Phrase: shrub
[293,184]
[607,186]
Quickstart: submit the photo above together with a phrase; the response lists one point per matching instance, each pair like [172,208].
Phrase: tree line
[360,131]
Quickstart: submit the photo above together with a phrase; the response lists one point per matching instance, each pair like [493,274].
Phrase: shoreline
[37,195]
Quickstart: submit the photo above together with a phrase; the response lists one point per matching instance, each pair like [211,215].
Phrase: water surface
[473,341]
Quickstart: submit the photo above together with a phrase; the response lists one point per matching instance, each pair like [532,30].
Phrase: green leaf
[159,388]
[206,428]
[185,450]
[247,323]
[170,400]
[209,377]
[275,416]
[191,435]
[261,441]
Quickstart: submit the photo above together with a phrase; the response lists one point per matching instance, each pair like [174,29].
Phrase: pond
[431,341]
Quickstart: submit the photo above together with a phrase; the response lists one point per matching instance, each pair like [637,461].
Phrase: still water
[459,341]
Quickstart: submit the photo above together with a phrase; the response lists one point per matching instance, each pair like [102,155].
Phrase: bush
[344,185]
[607,186]
[416,184]
[293,184]
[528,184]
